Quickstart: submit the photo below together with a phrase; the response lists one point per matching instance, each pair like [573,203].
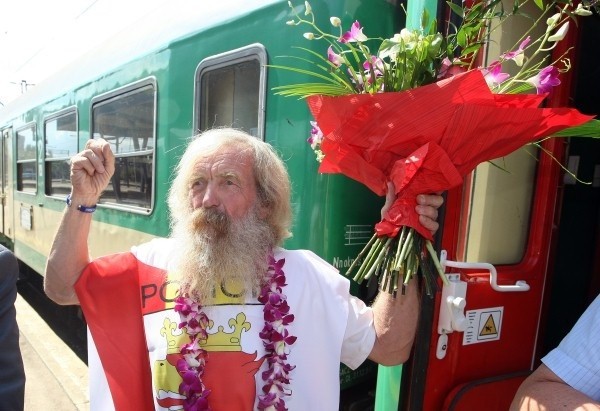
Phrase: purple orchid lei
[275,336]
[191,366]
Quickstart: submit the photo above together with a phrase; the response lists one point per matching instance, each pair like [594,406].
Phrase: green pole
[387,393]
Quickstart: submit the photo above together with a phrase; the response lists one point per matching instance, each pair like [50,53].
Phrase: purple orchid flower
[355,34]
[517,55]
[545,79]
[374,68]
[376,63]
[493,74]
[316,137]
[449,68]
[335,59]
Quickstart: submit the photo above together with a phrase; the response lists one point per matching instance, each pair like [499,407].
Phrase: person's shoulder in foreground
[12,374]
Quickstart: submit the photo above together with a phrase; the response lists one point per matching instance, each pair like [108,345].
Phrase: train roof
[155,30]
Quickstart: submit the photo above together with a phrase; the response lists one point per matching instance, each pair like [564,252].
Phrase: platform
[56,378]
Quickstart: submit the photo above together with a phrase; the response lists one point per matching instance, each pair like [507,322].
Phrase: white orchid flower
[582,11]
[308,8]
[560,33]
[552,22]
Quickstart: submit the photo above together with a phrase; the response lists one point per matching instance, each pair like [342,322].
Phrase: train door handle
[452,312]
[452,308]
[519,286]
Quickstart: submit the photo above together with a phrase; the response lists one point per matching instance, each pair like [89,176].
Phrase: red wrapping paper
[427,139]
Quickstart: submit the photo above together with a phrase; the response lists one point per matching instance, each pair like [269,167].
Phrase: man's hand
[92,169]
[427,207]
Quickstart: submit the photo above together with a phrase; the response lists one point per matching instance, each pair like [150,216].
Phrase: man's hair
[270,173]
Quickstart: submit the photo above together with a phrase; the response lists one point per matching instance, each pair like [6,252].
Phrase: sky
[37,37]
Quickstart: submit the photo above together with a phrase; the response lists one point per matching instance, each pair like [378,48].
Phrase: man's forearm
[543,390]
[69,255]
[395,325]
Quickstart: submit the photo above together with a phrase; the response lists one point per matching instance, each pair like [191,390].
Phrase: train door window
[60,137]
[497,209]
[230,90]
[126,118]
[26,160]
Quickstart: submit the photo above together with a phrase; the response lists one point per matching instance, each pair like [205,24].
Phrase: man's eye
[196,184]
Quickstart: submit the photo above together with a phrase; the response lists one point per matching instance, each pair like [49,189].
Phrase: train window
[497,206]
[60,136]
[230,90]
[26,160]
[126,119]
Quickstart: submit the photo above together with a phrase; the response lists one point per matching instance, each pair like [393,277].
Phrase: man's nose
[211,197]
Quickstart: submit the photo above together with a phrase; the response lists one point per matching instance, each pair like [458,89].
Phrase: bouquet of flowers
[421,113]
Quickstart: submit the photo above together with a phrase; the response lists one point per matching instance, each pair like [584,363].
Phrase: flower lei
[275,338]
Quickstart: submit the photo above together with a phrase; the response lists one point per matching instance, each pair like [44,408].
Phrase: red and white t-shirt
[127,300]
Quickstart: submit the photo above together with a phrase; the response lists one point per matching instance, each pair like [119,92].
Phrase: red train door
[483,328]
[481,336]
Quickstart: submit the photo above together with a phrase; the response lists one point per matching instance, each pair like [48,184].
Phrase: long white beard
[214,250]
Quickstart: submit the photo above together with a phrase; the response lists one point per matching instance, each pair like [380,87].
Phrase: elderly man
[221,314]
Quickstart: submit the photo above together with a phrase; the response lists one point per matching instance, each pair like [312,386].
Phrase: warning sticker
[483,325]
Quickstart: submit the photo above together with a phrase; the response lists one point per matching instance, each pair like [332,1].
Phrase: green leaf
[307,72]
[461,38]
[591,129]
[456,9]
[304,90]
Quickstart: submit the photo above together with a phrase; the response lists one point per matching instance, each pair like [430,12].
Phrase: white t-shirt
[331,326]
[576,360]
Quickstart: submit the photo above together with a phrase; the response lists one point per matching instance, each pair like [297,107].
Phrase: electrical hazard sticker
[483,325]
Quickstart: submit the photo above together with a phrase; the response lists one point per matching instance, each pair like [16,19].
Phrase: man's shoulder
[300,257]
[306,262]
[157,252]
[8,260]
[156,243]
[305,270]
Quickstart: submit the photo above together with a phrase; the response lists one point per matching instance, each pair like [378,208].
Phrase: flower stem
[373,250]
[361,254]
[381,254]
[436,261]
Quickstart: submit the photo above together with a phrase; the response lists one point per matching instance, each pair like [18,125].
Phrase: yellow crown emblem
[223,341]
[173,340]
[218,341]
